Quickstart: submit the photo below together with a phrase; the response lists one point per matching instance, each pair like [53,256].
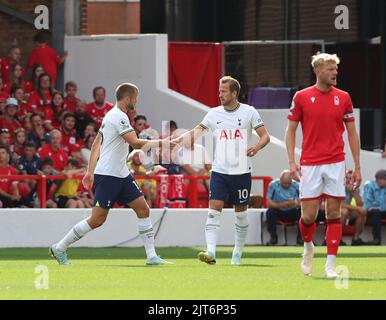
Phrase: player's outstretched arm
[290,140]
[88,178]
[355,147]
[263,141]
[132,139]
[188,138]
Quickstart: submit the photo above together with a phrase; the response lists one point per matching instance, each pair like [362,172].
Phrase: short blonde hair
[126,89]
[234,85]
[319,59]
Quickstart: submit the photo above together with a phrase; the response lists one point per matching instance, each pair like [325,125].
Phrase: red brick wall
[110,17]
[15,31]
[264,20]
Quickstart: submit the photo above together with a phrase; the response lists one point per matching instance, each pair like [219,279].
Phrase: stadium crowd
[46,132]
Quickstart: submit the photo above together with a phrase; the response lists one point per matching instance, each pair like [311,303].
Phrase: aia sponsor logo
[231,134]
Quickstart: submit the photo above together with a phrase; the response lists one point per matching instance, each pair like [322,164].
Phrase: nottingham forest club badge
[336,100]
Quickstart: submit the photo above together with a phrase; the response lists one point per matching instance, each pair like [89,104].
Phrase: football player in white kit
[113,181]
[232,124]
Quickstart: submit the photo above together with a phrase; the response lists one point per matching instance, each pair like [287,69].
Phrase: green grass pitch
[120,273]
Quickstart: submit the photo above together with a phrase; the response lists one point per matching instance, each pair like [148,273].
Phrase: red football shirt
[11,125]
[47,57]
[69,142]
[36,103]
[59,157]
[26,85]
[97,114]
[70,104]
[5,69]
[4,96]
[322,116]
[5,184]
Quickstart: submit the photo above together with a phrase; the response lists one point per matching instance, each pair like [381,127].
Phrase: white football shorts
[327,180]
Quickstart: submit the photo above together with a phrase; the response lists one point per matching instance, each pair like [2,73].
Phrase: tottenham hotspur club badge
[239,120]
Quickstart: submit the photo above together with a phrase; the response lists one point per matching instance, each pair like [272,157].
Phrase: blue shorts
[109,189]
[232,189]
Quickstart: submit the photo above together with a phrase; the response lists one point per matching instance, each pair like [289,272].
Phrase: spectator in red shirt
[2,106]
[9,119]
[9,192]
[82,119]
[37,70]
[45,55]
[98,109]
[54,150]
[17,148]
[17,92]
[14,56]
[37,134]
[41,99]
[54,114]
[3,94]
[16,77]
[70,139]
[71,99]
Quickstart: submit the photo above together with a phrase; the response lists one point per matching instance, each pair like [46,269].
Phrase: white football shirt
[114,149]
[232,132]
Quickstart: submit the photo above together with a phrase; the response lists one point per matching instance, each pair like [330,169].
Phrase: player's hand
[88,180]
[251,151]
[357,176]
[295,171]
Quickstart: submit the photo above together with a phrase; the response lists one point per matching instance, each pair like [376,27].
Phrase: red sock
[307,230]
[333,236]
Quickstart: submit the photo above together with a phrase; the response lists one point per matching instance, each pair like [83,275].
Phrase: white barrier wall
[180,227]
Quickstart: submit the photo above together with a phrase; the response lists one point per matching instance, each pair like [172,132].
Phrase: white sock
[145,229]
[308,246]
[75,234]
[241,224]
[211,230]
[330,261]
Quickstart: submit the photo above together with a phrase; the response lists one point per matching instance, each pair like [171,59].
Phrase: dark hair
[4,130]
[11,74]
[172,123]
[52,102]
[42,37]
[88,138]
[35,115]
[73,162]
[34,80]
[47,162]
[96,89]
[380,174]
[12,48]
[3,147]
[29,144]
[39,90]
[70,84]
[14,88]
[140,117]
[68,115]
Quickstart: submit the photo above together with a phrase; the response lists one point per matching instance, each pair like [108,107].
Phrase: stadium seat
[285,224]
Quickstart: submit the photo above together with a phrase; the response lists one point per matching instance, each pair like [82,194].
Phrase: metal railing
[192,191]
